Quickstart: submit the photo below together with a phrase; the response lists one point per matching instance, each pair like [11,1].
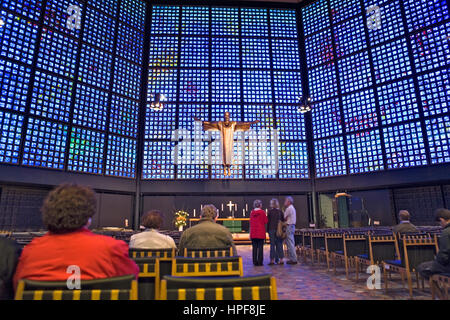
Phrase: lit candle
[194,212]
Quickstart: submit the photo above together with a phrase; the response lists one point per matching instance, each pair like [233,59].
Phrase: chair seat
[394,262]
[363,256]
[339,252]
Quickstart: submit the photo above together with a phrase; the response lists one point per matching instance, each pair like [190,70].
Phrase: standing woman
[276,244]
[258,221]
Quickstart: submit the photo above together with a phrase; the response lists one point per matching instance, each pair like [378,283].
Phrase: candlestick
[243,212]
[222,206]
[194,212]
[235,206]
[246,207]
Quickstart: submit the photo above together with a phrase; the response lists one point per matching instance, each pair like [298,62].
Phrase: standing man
[290,217]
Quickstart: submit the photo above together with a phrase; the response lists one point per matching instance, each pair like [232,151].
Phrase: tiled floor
[312,282]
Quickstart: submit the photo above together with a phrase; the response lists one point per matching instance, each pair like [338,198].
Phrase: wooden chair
[208,252]
[440,283]
[207,267]
[161,254]
[380,248]
[305,249]
[118,288]
[415,249]
[317,246]
[262,287]
[334,247]
[354,245]
[149,278]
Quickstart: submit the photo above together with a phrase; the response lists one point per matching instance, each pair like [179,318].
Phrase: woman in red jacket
[67,212]
[258,221]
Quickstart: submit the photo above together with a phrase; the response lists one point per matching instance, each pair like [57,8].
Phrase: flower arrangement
[181,219]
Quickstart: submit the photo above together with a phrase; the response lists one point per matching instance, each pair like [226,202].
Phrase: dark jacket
[206,234]
[405,227]
[258,221]
[443,256]
[9,256]
[274,216]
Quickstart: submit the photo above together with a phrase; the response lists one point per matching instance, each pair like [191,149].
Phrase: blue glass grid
[322,82]
[260,158]
[435,92]
[237,170]
[330,157]
[51,97]
[391,61]
[99,30]
[404,146]
[45,144]
[106,6]
[225,53]
[186,115]
[257,86]
[130,43]
[195,20]
[57,15]
[422,13]
[391,22]
[226,86]
[158,160]
[218,112]
[163,51]
[165,19]
[121,160]
[18,38]
[195,52]
[262,113]
[315,17]
[364,152]
[326,119]
[11,130]
[342,10]
[293,160]
[290,123]
[288,86]
[192,160]
[438,131]
[349,36]
[95,67]
[160,124]
[431,48]
[354,72]
[194,85]
[285,54]
[163,82]
[360,110]
[57,53]
[132,12]
[225,21]
[127,79]
[86,151]
[283,23]
[124,116]
[14,83]
[255,53]
[91,107]
[319,48]
[254,22]
[398,102]
[27,8]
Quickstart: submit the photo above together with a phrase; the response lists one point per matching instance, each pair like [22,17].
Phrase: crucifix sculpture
[226,129]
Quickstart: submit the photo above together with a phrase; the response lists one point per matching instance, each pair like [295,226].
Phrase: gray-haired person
[275,215]
[290,217]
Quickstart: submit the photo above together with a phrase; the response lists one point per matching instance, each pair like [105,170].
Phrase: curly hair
[68,208]
[209,211]
[152,219]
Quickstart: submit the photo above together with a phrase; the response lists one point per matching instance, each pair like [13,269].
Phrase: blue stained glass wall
[71,86]
[379,83]
[208,60]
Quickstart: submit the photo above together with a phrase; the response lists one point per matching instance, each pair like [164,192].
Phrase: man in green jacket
[441,264]
[207,233]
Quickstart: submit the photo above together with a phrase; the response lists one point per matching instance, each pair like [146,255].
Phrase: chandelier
[157,104]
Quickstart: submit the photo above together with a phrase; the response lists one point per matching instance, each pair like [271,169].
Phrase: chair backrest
[118,288]
[262,287]
[306,238]
[207,267]
[317,240]
[162,254]
[382,248]
[149,278]
[418,249]
[208,252]
[355,244]
[334,242]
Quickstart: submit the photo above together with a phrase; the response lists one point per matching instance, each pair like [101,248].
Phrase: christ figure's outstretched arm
[209,125]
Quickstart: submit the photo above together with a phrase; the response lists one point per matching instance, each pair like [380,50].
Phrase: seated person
[207,233]
[441,264]
[404,226]
[9,256]
[67,212]
[151,238]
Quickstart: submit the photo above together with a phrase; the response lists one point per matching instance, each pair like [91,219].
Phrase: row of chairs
[355,249]
[202,274]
